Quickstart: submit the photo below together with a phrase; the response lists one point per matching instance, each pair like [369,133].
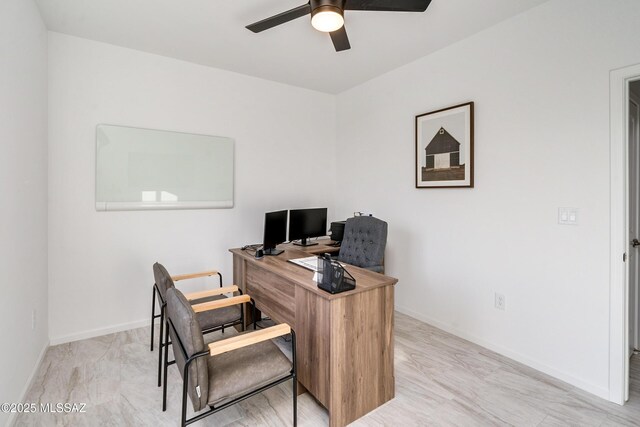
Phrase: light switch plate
[568,216]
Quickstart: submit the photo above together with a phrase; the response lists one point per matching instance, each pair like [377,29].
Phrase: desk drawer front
[273,294]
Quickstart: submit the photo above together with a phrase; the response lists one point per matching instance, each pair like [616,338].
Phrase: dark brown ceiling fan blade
[388,5]
[280,18]
[340,39]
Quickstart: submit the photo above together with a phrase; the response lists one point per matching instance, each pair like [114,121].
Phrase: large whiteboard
[139,169]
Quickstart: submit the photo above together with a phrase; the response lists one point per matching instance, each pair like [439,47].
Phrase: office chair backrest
[189,337]
[163,279]
[364,241]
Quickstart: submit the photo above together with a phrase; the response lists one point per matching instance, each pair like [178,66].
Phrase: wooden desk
[344,341]
[323,247]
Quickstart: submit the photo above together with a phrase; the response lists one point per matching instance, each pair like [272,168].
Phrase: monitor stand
[273,251]
[304,242]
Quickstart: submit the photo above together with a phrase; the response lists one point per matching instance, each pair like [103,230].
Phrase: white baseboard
[23,393]
[563,376]
[99,332]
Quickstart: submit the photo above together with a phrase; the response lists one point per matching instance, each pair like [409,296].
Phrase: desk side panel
[239,280]
[274,295]
[239,272]
[313,340]
[362,376]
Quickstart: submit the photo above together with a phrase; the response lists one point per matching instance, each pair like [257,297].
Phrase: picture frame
[444,148]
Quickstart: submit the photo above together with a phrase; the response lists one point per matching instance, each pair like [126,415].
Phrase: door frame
[636,320]
[619,222]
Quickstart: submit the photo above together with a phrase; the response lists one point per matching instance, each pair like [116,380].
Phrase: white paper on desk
[310,263]
[315,277]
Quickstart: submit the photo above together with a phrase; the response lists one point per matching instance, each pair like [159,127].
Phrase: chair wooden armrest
[179,277]
[221,303]
[211,293]
[251,338]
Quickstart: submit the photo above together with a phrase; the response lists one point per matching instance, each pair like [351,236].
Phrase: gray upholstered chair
[363,244]
[224,372]
[210,321]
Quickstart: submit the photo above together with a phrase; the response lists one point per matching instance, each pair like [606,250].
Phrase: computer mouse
[259,254]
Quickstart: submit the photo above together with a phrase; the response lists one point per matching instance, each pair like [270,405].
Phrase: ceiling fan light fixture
[327,19]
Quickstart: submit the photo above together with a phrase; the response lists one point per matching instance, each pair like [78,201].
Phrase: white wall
[23,195]
[540,83]
[100,262]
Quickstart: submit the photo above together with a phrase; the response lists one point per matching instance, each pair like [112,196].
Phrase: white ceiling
[211,32]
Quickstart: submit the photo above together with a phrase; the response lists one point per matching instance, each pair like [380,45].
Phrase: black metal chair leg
[220,277]
[183,421]
[153,314]
[166,364]
[161,344]
[253,314]
[242,317]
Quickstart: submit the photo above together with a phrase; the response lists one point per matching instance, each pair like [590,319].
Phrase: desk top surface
[365,279]
[323,246]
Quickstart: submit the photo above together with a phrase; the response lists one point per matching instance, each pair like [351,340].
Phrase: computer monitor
[275,231]
[305,223]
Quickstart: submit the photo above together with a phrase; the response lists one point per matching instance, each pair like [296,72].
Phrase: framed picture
[444,148]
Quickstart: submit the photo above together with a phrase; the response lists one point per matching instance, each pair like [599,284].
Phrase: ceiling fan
[328,15]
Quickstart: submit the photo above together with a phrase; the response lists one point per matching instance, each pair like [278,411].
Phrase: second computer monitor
[306,223]
[275,231]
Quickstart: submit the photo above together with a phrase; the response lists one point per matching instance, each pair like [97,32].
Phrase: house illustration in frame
[443,152]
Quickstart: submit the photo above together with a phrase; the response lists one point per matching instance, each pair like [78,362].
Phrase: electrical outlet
[568,216]
[33,319]
[499,301]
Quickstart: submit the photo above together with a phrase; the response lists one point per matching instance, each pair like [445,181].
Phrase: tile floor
[441,380]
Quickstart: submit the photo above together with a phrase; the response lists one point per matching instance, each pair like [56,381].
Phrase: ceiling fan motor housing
[326,6]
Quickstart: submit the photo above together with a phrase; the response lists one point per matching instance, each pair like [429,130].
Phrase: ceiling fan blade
[340,39]
[280,18]
[388,5]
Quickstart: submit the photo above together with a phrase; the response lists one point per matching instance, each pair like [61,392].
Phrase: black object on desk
[275,232]
[337,231]
[332,276]
[306,223]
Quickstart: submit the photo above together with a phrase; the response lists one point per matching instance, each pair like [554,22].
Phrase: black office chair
[363,244]
[224,372]
[228,315]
